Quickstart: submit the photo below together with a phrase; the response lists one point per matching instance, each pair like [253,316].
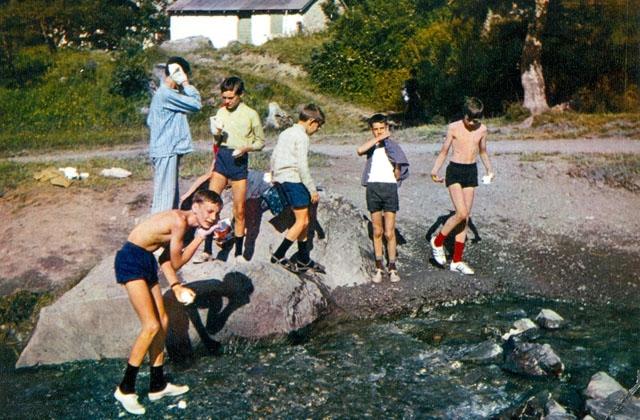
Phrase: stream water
[410,367]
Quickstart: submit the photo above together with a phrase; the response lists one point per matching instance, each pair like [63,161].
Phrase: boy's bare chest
[463,139]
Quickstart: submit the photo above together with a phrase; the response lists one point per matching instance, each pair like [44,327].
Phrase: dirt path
[56,235]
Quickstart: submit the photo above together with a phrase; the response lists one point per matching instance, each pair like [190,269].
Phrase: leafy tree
[56,24]
[365,41]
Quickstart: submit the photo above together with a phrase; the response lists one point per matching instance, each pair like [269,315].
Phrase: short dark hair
[178,60]
[472,108]
[311,112]
[234,84]
[377,118]
[207,195]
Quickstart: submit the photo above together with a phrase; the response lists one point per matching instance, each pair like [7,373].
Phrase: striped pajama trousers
[166,195]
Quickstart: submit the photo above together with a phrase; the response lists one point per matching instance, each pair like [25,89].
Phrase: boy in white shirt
[386,167]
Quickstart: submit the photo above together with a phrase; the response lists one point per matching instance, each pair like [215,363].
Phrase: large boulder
[186,45]
[615,406]
[253,300]
[601,386]
[608,399]
[277,118]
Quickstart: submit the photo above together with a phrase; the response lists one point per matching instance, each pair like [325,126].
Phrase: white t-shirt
[381,168]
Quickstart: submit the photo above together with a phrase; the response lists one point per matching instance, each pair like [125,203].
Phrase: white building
[246,21]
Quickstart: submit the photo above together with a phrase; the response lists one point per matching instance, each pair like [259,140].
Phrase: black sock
[392,265]
[303,252]
[239,243]
[157,381]
[208,244]
[128,384]
[282,249]
[379,262]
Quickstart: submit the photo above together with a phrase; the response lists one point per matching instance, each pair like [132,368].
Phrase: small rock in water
[521,326]
[182,404]
[549,319]
[531,358]
[486,350]
[555,411]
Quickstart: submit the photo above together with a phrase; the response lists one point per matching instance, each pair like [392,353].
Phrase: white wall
[260,29]
[315,20]
[221,30]
[290,23]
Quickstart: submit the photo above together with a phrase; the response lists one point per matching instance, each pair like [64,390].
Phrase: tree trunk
[535,99]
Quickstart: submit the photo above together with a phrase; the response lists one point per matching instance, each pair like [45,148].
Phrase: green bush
[17,307]
[515,112]
[26,68]
[71,105]
[129,80]
[294,49]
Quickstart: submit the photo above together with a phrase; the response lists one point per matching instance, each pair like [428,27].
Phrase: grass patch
[18,316]
[572,125]
[13,144]
[536,156]
[14,175]
[294,50]
[617,171]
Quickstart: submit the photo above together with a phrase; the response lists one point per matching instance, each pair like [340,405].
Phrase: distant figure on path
[386,167]
[413,112]
[170,136]
[137,270]
[290,168]
[467,138]
[237,130]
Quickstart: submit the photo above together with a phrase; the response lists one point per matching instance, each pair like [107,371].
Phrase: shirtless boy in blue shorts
[467,138]
[136,269]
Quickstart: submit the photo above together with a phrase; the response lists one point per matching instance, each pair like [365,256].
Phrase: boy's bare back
[156,231]
[466,141]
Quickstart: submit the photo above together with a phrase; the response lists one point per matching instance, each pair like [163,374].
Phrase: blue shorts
[297,194]
[231,168]
[135,263]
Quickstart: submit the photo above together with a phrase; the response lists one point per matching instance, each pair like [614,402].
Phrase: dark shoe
[310,266]
[285,263]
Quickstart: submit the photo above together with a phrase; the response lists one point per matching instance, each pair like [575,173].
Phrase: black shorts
[230,167]
[465,174]
[134,263]
[382,196]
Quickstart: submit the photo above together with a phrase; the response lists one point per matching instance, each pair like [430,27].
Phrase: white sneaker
[438,252]
[203,257]
[170,390]
[129,402]
[377,276]
[461,267]
[394,277]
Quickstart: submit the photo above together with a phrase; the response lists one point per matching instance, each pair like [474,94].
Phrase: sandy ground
[544,232]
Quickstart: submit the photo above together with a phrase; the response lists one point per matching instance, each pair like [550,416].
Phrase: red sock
[458,249]
[439,241]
